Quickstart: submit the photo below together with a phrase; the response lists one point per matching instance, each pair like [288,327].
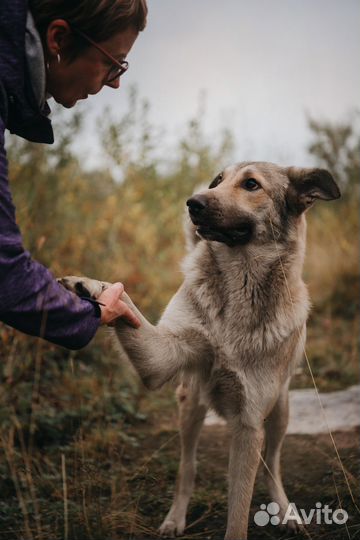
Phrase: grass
[85,453]
[332,275]
[116,481]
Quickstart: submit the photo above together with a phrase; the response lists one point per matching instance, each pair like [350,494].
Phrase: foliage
[332,261]
[337,147]
[333,251]
[81,411]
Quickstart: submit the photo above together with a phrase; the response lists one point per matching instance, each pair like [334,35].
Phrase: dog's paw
[82,286]
[293,528]
[172,527]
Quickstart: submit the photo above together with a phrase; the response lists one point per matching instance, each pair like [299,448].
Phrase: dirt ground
[311,474]
[120,479]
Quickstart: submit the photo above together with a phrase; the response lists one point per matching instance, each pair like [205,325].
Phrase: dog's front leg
[191,415]
[245,449]
[160,352]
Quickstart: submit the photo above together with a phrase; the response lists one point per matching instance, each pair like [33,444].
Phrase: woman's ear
[57,37]
[306,185]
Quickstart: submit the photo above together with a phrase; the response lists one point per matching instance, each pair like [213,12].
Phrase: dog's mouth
[229,236]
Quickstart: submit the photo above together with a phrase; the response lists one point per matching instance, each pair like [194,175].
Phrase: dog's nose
[197,204]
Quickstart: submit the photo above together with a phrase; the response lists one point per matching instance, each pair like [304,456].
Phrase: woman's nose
[114,84]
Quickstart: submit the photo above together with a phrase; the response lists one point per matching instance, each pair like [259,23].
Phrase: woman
[65,50]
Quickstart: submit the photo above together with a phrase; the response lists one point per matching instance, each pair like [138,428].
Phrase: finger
[129,317]
[118,287]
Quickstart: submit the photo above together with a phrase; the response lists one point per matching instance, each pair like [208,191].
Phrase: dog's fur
[236,327]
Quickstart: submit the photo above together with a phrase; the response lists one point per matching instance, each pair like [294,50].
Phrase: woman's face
[88,73]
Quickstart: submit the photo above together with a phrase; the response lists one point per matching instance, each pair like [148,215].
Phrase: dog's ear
[306,185]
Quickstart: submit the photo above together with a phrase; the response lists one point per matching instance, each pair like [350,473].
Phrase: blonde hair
[99,19]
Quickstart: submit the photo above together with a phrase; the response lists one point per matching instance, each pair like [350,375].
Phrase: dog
[236,327]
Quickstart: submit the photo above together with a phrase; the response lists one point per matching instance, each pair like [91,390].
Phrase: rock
[341,409]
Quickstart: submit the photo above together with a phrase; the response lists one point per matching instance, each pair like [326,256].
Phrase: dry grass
[333,254]
[84,454]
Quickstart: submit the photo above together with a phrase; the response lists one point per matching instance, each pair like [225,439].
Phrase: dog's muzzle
[200,214]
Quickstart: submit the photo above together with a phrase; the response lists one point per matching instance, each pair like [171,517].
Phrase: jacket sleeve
[31,300]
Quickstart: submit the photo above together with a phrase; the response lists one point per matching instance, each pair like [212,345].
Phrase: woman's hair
[99,19]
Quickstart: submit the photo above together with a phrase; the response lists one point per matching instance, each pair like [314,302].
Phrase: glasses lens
[116,71]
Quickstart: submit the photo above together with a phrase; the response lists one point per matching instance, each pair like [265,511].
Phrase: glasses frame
[122,66]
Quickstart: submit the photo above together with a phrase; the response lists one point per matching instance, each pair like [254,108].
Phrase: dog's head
[251,201]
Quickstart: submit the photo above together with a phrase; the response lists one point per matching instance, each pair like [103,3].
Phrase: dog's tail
[191,238]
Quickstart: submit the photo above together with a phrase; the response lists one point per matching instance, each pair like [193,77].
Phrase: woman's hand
[113,307]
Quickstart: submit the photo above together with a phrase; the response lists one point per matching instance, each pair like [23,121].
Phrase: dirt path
[311,472]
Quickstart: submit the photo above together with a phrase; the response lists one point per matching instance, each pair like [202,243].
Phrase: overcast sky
[263,65]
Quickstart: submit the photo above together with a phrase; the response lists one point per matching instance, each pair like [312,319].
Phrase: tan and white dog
[236,328]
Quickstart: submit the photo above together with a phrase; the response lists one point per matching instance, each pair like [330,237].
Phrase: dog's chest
[245,320]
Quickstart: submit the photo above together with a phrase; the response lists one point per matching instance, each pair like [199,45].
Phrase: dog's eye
[216,181]
[251,184]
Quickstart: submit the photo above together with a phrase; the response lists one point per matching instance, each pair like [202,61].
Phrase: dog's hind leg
[275,429]
[191,416]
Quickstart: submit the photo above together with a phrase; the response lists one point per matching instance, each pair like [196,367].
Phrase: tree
[337,147]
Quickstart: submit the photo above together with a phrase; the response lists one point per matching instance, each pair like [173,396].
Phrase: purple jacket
[30,298]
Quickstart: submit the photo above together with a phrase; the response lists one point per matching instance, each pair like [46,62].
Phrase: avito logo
[320,514]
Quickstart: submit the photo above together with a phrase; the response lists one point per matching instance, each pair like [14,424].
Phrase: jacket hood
[18,105]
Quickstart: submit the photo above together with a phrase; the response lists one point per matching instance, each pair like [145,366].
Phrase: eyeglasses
[117,69]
